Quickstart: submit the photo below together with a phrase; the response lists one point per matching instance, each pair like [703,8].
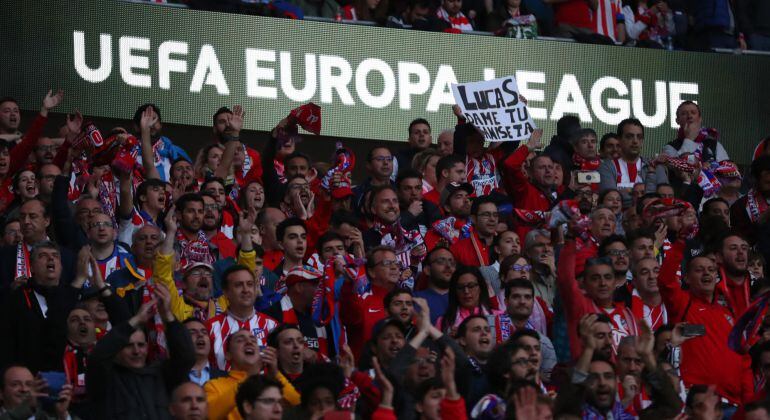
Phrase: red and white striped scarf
[157,339]
[756,204]
[459,21]
[628,175]
[22,262]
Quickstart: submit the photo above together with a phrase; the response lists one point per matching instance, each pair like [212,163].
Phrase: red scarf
[756,204]
[584,164]
[22,262]
[74,362]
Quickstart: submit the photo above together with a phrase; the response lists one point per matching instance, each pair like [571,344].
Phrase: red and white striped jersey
[223,325]
[605,17]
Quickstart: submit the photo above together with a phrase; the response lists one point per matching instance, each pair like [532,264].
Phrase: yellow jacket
[163,273]
[220,394]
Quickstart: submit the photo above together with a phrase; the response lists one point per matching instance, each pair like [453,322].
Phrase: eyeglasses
[388,263]
[382,159]
[467,287]
[445,261]
[525,268]
[201,273]
[268,401]
[489,215]
[101,225]
[617,253]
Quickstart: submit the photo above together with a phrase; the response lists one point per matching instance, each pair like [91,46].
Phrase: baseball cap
[193,265]
[380,326]
[452,188]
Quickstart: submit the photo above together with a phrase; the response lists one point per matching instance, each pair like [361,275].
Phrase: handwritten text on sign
[495,108]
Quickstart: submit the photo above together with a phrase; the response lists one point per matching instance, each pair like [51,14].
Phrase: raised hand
[52,101]
[170,221]
[163,297]
[586,331]
[270,360]
[62,405]
[423,314]
[148,119]
[534,142]
[235,122]
[74,124]
[448,375]
[525,403]
[385,385]
[144,314]
[346,361]
[83,265]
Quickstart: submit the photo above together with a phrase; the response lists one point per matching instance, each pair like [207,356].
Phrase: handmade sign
[495,107]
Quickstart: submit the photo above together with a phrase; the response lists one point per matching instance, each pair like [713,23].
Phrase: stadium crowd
[699,25]
[457,280]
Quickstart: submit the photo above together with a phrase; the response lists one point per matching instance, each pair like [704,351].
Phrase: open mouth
[250,350]
[83,330]
[50,267]
[485,341]
[200,343]
[296,356]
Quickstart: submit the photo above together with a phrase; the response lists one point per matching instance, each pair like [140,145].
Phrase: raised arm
[148,119]
[675,299]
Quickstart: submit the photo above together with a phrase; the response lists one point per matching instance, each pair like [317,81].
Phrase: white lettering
[166,64]
[676,90]
[129,62]
[311,78]
[441,94]
[569,100]
[208,72]
[388,86]
[88,74]
[255,73]
[407,88]
[637,103]
[331,81]
[621,106]
[524,79]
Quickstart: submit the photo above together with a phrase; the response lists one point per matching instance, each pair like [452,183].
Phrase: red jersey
[471,251]
[706,359]
[577,304]
[359,313]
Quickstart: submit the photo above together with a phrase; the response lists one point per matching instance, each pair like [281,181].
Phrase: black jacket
[29,338]
[123,393]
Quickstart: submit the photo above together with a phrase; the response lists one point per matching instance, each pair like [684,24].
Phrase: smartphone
[588,177]
[693,330]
